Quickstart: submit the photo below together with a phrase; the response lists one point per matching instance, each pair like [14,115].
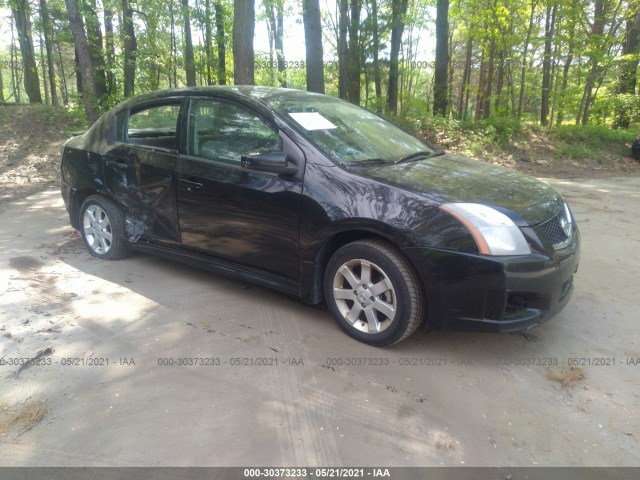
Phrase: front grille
[558,230]
[553,230]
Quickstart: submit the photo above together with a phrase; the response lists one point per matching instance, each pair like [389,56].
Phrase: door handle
[191,184]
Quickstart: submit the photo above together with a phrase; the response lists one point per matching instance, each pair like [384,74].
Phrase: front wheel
[102,228]
[373,293]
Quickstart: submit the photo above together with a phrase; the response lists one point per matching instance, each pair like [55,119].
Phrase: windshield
[346,133]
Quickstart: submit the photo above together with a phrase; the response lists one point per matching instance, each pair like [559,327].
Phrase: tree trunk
[63,86]
[463,99]
[153,19]
[189,62]
[565,80]
[13,66]
[43,66]
[555,77]
[110,50]
[244,19]
[130,48]
[313,45]
[84,60]
[583,112]
[546,64]
[377,76]
[76,67]
[282,65]
[510,103]
[94,36]
[486,109]
[278,37]
[597,31]
[440,78]
[628,67]
[220,41]
[343,51]
[271,28]
[171,66]
[275,23]
[450,58]
[48,43]
[208,36]
[21,14]
[481,87]
[398,11]
[1,85]
[497,104]
[354,53]
[524,59]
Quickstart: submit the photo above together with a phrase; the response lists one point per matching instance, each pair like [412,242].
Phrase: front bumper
[494,294]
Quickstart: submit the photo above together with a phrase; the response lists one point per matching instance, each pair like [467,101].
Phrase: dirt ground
[102,331]
[31,137]
[270,381]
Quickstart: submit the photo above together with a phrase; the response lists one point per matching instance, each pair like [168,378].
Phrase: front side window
[154,126]
[224,131]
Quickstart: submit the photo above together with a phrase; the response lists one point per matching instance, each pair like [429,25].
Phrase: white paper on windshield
[312,121]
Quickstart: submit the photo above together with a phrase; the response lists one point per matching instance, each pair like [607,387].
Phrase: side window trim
[121,123]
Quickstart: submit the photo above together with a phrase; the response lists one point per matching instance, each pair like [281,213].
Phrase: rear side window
[154,126]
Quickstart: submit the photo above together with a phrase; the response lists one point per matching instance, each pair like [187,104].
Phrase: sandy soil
[102,331]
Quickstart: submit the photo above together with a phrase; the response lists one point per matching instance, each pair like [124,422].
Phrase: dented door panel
[143,180]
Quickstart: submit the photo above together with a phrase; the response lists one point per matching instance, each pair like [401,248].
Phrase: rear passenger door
[247,217]
[140,169]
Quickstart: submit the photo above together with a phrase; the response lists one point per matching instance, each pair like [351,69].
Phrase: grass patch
[593,135]
[575,151]
[595,142]
[567,377]
[23,417]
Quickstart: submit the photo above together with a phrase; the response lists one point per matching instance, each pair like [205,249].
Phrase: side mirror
[272,162]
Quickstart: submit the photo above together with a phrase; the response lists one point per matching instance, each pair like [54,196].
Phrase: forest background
[471,75]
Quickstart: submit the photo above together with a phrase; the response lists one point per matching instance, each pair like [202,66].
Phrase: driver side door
[247,217]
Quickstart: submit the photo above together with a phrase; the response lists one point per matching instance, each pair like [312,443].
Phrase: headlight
[494,232]
[566,222]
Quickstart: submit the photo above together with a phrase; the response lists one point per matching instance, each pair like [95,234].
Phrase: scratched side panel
[143,182]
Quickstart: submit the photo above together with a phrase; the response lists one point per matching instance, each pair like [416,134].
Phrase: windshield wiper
[420,155]
[368,161]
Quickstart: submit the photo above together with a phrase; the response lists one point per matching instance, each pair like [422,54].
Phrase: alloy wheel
[365,296]
[97,229]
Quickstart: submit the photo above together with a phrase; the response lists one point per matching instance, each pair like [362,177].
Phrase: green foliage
[474,136]
[506,35]
[499,130]
[626,104]
[500,137]
[76,112]
[590,142]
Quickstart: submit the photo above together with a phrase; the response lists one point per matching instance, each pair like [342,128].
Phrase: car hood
[452,178]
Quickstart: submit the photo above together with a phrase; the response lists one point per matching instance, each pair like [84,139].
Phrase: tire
[102,228]
[382,309]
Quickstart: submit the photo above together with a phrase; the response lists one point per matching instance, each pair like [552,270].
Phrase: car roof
[259,94]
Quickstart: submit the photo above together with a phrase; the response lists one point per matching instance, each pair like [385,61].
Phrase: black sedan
[316,197]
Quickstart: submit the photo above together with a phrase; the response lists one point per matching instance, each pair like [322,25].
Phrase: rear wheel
[373,293]
[102,228]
